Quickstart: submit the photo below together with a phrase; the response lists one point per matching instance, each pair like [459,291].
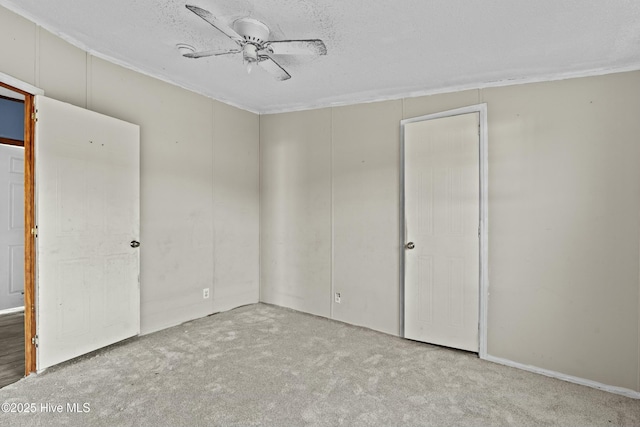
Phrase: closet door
[442,217]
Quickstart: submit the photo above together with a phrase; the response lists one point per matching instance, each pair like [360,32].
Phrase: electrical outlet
[205,293]
[337,297]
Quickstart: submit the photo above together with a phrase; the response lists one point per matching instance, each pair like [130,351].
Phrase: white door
[11,226]
[87,214]
[442,217]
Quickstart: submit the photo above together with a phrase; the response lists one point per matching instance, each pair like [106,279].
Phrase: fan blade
[297,47]
[216,23]
[273,68]
[204,54]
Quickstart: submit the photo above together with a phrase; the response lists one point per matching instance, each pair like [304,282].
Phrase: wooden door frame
[29,93]
[481,109]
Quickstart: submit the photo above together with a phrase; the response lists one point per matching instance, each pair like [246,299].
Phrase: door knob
[135,244]
[410,245]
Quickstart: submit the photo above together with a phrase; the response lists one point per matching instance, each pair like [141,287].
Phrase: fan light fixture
[250,56]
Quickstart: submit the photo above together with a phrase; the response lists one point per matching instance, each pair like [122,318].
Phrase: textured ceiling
[376,49]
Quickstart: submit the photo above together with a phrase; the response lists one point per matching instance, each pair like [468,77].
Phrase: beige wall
[235,207]
[365,147]
[564,209]
[295,210]
[199,173]
[564,204]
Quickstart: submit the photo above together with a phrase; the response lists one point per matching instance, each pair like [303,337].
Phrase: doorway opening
[17,281]
[444,228]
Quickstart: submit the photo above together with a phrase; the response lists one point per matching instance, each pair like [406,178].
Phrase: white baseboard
[576,380]
[11,310]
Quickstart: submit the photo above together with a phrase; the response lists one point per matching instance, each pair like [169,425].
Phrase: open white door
[87,214]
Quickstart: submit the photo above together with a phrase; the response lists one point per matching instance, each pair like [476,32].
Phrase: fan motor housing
[252,30]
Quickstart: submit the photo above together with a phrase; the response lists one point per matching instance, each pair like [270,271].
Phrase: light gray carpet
[265,365]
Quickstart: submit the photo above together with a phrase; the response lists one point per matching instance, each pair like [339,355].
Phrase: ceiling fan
[252,37]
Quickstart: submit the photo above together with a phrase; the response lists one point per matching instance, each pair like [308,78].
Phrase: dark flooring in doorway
[11,347]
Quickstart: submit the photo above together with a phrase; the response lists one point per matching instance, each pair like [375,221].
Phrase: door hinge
[34,231]
[34,341]
[34,115]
